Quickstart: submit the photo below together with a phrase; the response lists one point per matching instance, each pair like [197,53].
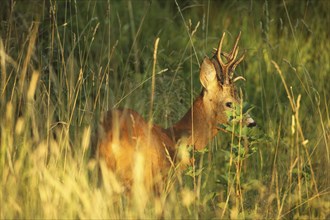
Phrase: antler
[227,69]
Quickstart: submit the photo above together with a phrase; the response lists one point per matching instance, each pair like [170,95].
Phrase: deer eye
[229,104]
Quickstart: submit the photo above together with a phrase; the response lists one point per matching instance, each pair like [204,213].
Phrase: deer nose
[250,122]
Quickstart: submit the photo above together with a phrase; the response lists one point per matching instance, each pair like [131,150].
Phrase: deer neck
[196,127]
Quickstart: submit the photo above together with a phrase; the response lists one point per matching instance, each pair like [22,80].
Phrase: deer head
[219,91]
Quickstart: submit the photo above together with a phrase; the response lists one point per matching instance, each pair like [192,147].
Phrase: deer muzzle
[249,121]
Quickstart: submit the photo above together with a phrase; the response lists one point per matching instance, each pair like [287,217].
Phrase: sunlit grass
[63,65]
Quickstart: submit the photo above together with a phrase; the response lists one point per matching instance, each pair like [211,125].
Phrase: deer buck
[127,138]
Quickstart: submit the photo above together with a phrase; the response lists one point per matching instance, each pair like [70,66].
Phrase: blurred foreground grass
[64,62]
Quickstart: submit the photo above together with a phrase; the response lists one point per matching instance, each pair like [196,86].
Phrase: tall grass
[65,62]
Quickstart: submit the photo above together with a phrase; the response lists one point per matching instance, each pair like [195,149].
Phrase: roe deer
[126,134]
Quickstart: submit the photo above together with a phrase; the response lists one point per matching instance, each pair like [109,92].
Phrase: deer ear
[207,74]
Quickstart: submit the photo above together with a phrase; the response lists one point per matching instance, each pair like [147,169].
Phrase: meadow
[65,62]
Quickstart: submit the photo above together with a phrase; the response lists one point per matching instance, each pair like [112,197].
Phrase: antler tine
[235,64]
[235,47]
[238,61]
[239,78]
[233,57]
[225,54]
[219,50]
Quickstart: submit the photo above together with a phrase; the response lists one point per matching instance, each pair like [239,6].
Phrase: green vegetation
[64,62]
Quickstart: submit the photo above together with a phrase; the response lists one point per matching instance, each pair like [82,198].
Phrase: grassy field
[65,62]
